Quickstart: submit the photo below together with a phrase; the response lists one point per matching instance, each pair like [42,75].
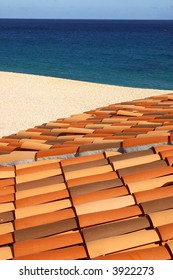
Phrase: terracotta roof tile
[6,228]
[68,253]
[6,207]
[45,182]
[17,156]
[166,232]
[150,184]
[162,148]
[98,195]
[131,155]
[5,190]
[149,195]
[115,228]
[85,165]
[117,243]
[83,159]
[42,219]
[166,153]
[109,215]
[157,205]
[5,253]
[104,205]
[7,172]
[96,186]
[39,245]
[35,146]
[143,175]
[88,172]
[38,168]
[135,161]
[170,245]
[149,140]
[7,198]
[92,179]
[56,152]
[42,208]
[155,253]
[161,217]
[37,175]
[41,198]
[6,217]
[45,230]
[6,239]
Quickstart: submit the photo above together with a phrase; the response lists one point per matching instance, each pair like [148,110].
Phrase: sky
[87,9]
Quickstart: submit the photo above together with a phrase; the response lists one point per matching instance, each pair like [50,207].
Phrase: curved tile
[42,208]
[166,231]
[155,253]
[121,242]
[69,253]
[104,205]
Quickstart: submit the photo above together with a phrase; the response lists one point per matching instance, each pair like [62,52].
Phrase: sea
[132,53]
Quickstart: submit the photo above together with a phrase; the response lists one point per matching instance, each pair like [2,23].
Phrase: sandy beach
[29,100]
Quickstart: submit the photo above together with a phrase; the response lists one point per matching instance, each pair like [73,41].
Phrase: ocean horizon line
[84,19]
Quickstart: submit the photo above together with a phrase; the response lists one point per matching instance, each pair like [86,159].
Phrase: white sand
[30,100]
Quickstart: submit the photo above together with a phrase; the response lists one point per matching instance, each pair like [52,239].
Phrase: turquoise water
[126,53]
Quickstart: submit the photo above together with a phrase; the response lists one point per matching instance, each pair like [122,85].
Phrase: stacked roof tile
[93,186]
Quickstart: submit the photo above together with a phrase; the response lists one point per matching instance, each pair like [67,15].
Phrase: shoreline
[28,100]
[82,81]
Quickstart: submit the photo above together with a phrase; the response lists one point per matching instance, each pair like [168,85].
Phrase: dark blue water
[127,53]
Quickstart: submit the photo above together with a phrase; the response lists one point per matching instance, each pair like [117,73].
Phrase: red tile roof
[98,185]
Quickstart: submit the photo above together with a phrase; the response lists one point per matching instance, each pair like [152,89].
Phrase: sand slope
[29,100]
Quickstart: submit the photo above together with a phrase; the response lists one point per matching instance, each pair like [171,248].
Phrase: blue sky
[87,9]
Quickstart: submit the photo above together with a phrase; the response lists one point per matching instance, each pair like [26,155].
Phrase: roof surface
[98,185]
